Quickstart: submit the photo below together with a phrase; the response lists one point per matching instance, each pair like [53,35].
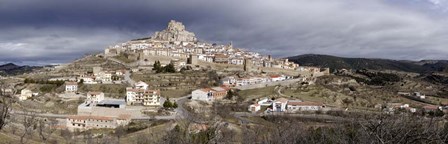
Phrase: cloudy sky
[59,31]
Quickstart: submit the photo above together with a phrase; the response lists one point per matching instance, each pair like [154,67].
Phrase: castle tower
[248,65]
[193,59]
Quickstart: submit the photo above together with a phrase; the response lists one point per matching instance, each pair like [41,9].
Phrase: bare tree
[29,123]
[5,109]
[119,132]
[46,128]
[67,135]
[5,104]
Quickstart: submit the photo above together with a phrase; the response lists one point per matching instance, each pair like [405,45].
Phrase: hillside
[334,62]
[12,69]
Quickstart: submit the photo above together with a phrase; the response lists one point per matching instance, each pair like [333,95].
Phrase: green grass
[257,93]
[123,58]
[175,93]
[110,90]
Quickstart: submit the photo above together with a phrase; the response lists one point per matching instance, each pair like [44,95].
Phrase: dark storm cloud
[54,31]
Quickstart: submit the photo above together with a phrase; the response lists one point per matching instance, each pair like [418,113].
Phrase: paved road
[262,85]
[127,77]
[46,115]
[179,112]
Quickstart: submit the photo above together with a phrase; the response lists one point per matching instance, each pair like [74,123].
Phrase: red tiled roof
[430,107]
[135,90]
[152,91]
[206,89]
[282,100]
[71,83]
[84,117]
[124,116]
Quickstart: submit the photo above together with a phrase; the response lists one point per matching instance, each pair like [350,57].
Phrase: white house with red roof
[71,86]
[275,78]
[94,97]
[210,94]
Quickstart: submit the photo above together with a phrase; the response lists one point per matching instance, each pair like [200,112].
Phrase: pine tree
[170,68]
[157,66]
[174,105]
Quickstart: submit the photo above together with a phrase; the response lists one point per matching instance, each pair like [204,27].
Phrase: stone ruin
[175,32]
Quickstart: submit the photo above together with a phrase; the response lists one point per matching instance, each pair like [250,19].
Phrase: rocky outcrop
[175,32]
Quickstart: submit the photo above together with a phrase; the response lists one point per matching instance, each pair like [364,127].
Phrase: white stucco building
[295,106]
[254,107]
[85,122]
[94,97]
[279,105]
[71,86]
[141,85]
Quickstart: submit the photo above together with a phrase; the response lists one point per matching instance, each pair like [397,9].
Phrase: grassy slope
[357,63]
[258,93]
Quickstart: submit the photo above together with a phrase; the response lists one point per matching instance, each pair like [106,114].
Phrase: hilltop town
[172,86]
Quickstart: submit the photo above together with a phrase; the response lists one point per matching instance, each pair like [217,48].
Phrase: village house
[279,105]
[150,98]
[237,61]
[94,97]
[275,78]
[141,85]
[87,80]
[419,95]
[132,93]
[25,94]
[210,94]
[85,122]
[204,94]
[392,107]
[71,87]
[265,102]
[140,95]
[221,58]
[295,106]
[228,81]
[254,107]
[106,77]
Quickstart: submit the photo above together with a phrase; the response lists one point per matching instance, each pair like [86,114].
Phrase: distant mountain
[334,62]
[13,69]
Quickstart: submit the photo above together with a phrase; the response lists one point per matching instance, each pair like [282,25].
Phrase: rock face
[175,32]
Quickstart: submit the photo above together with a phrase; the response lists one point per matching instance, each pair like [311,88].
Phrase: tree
[157,66]
[230,94]
[167,104]
[5,108]
[169,68]
[115,78]
[175,105]
[46,129]
[67,135]
[5,105]
[119,132]
[29,123]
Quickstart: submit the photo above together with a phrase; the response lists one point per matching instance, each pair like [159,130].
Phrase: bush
[338,113]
